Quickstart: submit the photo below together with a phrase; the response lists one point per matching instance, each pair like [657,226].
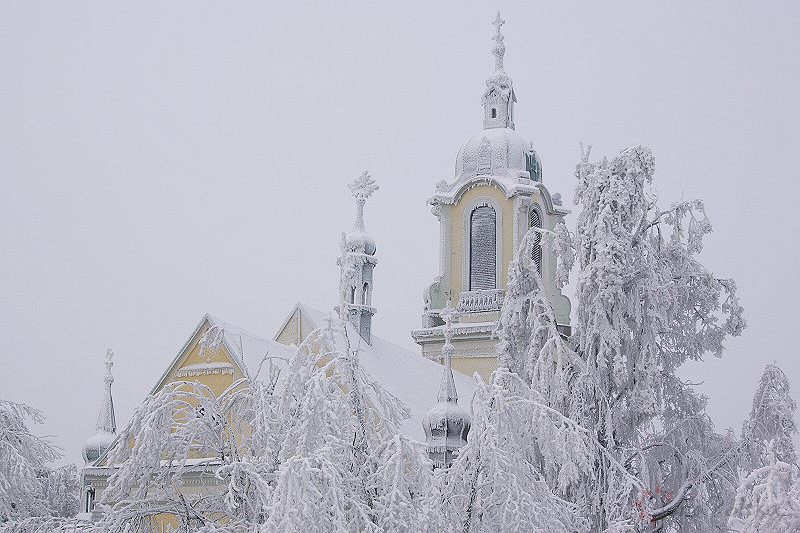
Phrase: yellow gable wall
[296,329]
[217,380]
[292,331]
[460,237]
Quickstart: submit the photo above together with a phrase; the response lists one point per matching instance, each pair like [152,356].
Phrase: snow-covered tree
[771,419]
[24,475]
[338,423]
[496,482]
[690,472]
[530,343]
[402,481]
[645,305]
[769,498]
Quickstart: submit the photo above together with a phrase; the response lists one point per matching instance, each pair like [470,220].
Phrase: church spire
[356,262]
[446,425]
[106,427]
[105,420]
[498,98]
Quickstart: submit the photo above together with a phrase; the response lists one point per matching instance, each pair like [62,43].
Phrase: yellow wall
[484,366]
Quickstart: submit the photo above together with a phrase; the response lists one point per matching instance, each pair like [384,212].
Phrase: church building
[497,194]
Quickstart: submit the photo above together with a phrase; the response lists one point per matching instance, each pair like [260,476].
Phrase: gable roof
[245,348]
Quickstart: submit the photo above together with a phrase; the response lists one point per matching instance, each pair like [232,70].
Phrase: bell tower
[496,197]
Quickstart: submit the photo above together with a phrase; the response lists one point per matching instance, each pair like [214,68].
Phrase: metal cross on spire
[499,49]
[109,378]
[362,188]
[106,420]
[448,314]
[447,389]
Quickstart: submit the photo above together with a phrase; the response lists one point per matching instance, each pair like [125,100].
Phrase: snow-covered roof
[249,348]
[407,375]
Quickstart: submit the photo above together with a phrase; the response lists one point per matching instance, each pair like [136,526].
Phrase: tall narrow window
[483,249]
[536,245]
[365,296]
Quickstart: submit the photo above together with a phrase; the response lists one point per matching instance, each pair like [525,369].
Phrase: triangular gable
[190,363]
[185,366]
[300,321]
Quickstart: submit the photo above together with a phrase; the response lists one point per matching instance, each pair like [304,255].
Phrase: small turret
[106,427]
[357,262]
[446,425]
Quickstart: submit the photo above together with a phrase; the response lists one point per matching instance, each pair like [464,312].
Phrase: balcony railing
[480,301]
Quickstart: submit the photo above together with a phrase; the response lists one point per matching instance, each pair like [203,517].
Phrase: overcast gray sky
[160,161]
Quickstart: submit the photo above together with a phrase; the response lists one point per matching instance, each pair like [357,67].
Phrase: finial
[105,420]
[448,314]
[447,389]
[499,49]
[363,186]
[109,378]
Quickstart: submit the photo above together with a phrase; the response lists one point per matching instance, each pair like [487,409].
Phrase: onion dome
[446,425]
[106,427]
[498,152]
[358,241]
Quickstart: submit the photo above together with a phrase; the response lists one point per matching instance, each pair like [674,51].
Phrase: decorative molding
[480,301]
[204,369]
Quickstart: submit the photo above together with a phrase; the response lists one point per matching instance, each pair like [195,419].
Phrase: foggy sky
[160,161]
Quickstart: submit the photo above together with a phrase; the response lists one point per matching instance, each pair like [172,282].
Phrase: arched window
[536,245]
[365,296]
[483,248]
[352,295]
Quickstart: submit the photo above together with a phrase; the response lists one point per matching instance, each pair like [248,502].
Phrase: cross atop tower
[363,186]
[499,49]
[109,378]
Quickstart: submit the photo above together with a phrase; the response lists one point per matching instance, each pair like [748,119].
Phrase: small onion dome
[358,241]
[446,427]
[97,445]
